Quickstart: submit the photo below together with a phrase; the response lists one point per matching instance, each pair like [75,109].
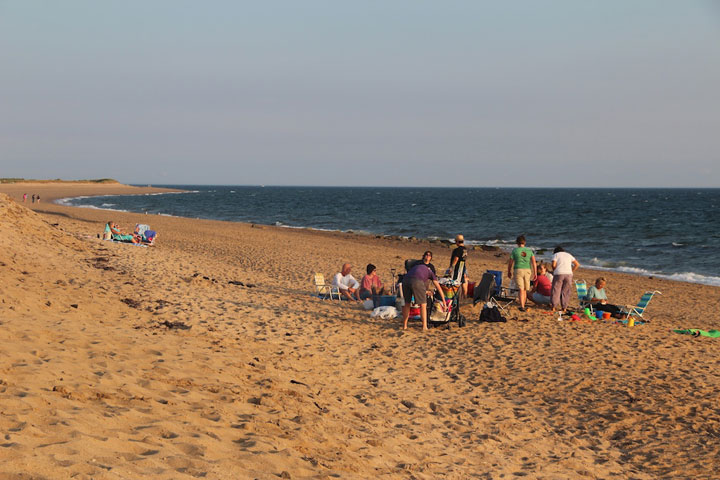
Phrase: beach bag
[368,304]
[491,315]
[437,315]
[384,312]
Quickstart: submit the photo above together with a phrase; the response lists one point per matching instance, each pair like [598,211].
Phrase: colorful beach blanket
[699,333]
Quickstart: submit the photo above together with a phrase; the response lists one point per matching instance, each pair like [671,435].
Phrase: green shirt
[521,257]
[598,293]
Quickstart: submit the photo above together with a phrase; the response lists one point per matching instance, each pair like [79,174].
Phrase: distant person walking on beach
[523,267]
[33,198]
[24,197]
[346,283]
[37,197]
[563,265]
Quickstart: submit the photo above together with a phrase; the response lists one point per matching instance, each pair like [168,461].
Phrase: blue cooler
[387,300]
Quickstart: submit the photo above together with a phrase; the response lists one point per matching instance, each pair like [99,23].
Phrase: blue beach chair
[582,292]
[639,309]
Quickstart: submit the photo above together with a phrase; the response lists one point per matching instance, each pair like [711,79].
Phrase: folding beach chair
[582,292]
[639,309]
[486,291]
[325,290]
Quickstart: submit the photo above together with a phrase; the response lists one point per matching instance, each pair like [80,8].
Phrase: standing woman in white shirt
[563,265]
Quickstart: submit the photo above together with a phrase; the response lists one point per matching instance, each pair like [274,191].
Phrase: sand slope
[128,362]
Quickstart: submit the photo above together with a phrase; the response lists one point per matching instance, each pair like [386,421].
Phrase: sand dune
[128,362]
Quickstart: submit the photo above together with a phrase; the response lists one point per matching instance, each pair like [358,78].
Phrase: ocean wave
[690,277]
[101,208]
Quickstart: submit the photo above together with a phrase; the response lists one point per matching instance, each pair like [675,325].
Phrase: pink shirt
[368,282]
[544,286]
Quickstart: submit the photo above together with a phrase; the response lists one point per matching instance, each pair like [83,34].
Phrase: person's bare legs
[406,315]
[522,296]
[349,295]
[423,315]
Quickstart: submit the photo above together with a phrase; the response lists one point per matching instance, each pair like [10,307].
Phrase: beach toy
[590,315]
[606,315]
[631,322]
[575,318]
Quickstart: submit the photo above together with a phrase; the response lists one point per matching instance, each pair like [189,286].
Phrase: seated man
[346,283]
[371,286]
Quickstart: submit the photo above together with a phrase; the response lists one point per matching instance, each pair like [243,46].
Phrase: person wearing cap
[459,254]
[371,286]
[523,267]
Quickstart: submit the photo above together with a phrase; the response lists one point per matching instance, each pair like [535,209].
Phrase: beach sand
[124,362]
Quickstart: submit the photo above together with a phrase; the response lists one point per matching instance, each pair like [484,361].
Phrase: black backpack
[491,314]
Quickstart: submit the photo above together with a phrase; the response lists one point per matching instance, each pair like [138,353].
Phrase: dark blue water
[667,232]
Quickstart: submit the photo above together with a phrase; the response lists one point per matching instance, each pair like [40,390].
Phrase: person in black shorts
[415,284]
[459,254]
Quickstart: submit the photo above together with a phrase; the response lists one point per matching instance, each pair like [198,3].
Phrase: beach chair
[582,292]
[325,290]
[486,291]
[639,309]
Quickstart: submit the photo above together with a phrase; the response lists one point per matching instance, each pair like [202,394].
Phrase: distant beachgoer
[371,286]
[117,235]
[346,283]
[598,298]
[459,254]
[563,265]
[522,265]
[24,197]
[542,290]
[37,198]
[415,284]
[33,198]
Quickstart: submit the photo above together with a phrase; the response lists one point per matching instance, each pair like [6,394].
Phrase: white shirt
[563,263]
[343,283]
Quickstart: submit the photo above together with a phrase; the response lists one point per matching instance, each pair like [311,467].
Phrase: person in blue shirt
[598,298]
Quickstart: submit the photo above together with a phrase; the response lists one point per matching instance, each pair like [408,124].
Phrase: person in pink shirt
[371,286]
[542,290]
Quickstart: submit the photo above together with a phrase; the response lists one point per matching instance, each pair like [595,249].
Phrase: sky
[553,93]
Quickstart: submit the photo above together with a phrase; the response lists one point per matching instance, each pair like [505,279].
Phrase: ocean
[670,233]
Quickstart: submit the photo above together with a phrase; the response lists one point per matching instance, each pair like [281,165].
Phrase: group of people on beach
[113,232]
[554,289]
[417,282]
[547,284]
[35,198]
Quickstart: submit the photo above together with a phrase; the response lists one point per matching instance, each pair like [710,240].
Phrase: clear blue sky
[430,93]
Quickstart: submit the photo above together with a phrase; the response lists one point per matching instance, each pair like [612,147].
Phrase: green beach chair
[639,309]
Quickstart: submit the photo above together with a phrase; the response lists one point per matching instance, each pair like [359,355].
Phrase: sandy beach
[207,356]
